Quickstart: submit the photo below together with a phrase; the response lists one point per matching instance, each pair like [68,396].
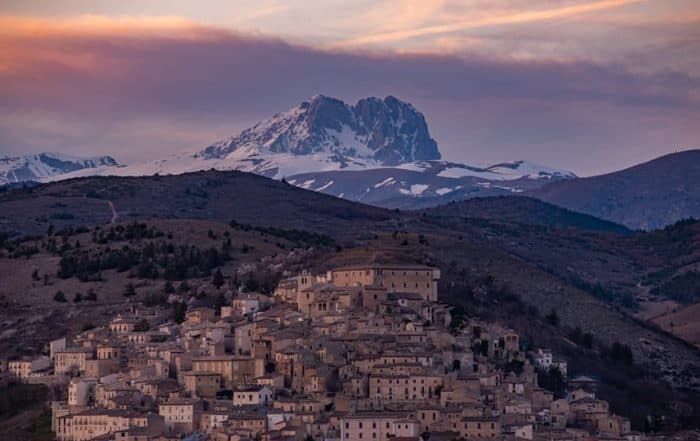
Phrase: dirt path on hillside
[115,215]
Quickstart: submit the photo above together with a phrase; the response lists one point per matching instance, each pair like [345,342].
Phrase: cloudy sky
[591,85]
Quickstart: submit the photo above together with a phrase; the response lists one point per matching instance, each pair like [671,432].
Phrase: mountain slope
[212,195]
[16,169]
[512,254]
[647,196]
[428,183]
[524,210]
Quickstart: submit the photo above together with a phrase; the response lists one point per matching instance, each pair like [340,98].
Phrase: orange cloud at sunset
[91,25]
[499,20]
[149,85]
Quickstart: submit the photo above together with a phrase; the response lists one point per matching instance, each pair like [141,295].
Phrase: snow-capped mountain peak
[385,132]
[41,166]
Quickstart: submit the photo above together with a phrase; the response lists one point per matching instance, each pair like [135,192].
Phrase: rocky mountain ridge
[44,166]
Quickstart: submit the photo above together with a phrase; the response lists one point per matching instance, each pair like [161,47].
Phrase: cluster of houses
[362,353]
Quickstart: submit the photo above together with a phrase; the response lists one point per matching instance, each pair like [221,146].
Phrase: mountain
[647,196]
[378,151]
[17,169]
[385,132]
[428,183]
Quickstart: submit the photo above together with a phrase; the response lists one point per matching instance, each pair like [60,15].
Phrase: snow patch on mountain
[388,181]
[418,189]
[325,186]
[443,191]
[504,171]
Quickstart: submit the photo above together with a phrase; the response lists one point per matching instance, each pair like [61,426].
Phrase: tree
[218,279]
[168,288]
[219,302]
[587,340]
[129,290]
[77,298]
[552,380]
[91,295]
[552,318]
[484,347]
[142,326]
[60,297]
[179,313]
[620,353]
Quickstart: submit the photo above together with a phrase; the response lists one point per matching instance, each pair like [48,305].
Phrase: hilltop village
[362,353]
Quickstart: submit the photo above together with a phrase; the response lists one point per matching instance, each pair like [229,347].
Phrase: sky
[590,86]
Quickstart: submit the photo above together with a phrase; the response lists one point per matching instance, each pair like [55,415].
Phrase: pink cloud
[191,84]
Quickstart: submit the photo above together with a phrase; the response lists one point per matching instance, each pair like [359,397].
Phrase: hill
[520,259]
[214,196]
[524,210]
[647,196]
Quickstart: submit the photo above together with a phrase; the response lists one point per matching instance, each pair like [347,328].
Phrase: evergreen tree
[142,326]
[180,310]
[60,297]
[129,290]
[552,318]
[219,302]
[218,279]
